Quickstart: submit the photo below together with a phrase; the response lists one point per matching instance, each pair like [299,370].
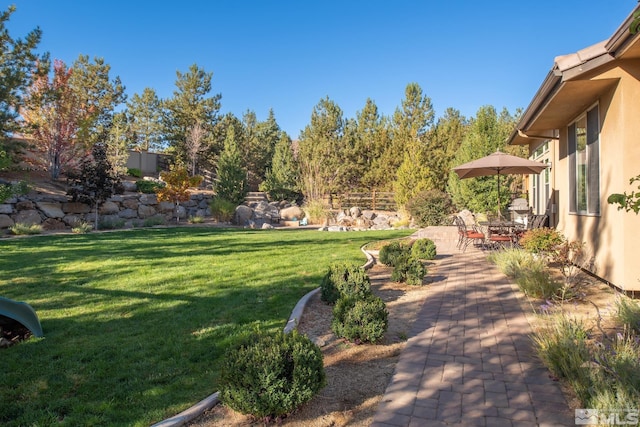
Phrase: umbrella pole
[499,213]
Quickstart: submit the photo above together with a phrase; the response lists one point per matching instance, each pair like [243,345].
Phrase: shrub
[409,270]
[268,375]
[153,221]
[390,254]
[222,210]
[16,189]
[344,280]
[111,224]
[196,219]
[82,228]
[628,312]
[360,319]
[541,240]
[430,207]
[562,346]
[530,273]
[135,172]
[423,249]
[315,211]
[21,229]
[148,187]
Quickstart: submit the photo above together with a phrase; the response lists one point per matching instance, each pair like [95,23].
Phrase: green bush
[25,229]
[344,280]
[430,207]
[423,249]
[110,224]
[409,270]
[135,172]
[360,319]
[148,187]
[269,375]
[390,254]
[196,219]
[628,313]
[153,221]
[82,228]
[541,240]
[222,210]
[10,190]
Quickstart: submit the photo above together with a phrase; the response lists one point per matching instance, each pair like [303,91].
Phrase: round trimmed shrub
[344,279]
[392,253]
[269,375]
[360,319]
[423,249]
[409,270]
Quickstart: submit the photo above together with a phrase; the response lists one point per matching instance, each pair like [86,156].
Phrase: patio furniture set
[493,235]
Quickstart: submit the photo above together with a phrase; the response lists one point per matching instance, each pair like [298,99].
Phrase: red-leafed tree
[52,118]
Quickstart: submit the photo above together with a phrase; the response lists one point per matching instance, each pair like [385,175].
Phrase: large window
[541,183]
[584,164]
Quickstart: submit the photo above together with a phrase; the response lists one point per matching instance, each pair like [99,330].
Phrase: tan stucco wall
[613,238]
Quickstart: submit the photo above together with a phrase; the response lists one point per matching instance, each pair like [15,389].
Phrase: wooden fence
[376,200]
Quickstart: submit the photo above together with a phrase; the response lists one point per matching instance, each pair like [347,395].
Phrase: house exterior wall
[613,237]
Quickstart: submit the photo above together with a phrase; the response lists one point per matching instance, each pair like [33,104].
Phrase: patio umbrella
[499,163]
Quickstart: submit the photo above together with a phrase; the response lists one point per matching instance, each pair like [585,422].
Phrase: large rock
[370,215]
[128,213]
[355,212]
[25,205]
[6,209]
[29,217]
[51,210]
[291,213]
[166,207]
[130,203]
[149,199]
[109,208]
[467,216]
[72,220]
[381,219]
[242,215]
[146,211]
[53,224]
[76,208]
[6,221]
[129,186]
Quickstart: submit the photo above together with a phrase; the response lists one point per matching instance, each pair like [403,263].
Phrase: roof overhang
[573,85]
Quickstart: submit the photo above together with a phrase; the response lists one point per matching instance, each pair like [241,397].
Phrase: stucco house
[584,121]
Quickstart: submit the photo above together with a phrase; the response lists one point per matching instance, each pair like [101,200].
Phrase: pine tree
[231,177]
[282,179]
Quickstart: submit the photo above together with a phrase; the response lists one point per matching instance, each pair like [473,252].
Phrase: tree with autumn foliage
[52,119]
[178,183]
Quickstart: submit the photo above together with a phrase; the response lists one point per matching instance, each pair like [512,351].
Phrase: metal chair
[468,234]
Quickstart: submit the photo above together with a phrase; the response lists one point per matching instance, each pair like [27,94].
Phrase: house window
[584,164]
[541,183]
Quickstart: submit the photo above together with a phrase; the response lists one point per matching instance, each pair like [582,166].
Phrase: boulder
[145,211]
[25,205]
[181,212]
[28,217]
[355,212]
[131,203]
[381,219]
[467,216]
[266,226]
[370,215]
[6,221]
[72,220]
[6,209]
[51,210]
[109,208]
[76,208]
[129,186]
[128,213]
[242,215]
[291,213]
[166,207]
[117,198]
[149,199]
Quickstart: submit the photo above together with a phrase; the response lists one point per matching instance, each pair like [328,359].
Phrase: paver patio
[469,359]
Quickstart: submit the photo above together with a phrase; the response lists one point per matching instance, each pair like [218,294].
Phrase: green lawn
[136,322]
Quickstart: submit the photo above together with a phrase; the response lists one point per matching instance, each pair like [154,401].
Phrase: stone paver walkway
[469,359]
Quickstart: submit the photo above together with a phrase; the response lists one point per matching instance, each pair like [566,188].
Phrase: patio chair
[502,237]
[468,234]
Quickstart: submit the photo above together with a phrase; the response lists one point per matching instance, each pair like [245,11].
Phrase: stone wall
[57,212]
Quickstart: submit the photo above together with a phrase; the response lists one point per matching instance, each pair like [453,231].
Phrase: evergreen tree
[487,133]
[231,177]
[320,149]
[145,112]
[373,141]
[18,61]
[443,146]
[95,181]
[282,179]
[190,104]
[412,123]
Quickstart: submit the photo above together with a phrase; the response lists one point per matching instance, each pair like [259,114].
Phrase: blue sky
[287,55]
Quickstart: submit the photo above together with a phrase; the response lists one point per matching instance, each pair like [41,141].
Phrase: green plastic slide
[21,312]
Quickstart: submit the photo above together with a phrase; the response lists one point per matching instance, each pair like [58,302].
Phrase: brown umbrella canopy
[499,163]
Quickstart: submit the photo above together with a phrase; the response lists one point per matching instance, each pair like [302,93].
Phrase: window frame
[591,164]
